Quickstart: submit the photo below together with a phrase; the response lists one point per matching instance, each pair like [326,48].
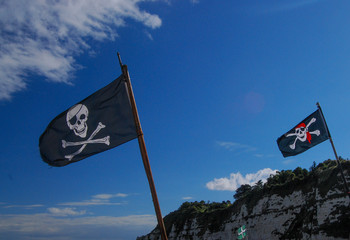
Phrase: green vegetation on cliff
[212,216]
[285,182]
[208,215]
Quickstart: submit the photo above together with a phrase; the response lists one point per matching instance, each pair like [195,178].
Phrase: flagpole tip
[318,104]
[120,60]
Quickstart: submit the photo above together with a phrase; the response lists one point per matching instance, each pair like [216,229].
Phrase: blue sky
[215,85]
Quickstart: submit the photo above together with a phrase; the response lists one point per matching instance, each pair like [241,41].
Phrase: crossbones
[302,133]
[104,140]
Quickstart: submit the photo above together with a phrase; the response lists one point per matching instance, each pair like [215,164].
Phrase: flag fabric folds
[100,122]
[308,133]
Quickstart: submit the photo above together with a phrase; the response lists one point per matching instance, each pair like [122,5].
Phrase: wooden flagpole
[335,152]
[143,151]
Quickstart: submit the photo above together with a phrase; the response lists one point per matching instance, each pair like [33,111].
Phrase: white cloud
[236,180]
[44,36]
[65,212]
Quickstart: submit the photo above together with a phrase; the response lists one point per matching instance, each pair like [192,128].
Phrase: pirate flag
[100,122]
[308,133]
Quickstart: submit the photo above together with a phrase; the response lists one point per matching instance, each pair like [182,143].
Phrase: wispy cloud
[254,102]
[109,196]
[187,198]
[62,212]
[49,226]
[24,206]
[236,180]
[44,36]
[288,161]
[97,200]
[149,35]
[259,155]
[69,221]
[286,5]
[234,146]
[239,148]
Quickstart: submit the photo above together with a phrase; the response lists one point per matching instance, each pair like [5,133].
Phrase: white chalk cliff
[315,207]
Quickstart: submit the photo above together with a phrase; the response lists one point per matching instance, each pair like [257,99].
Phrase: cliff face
[314,208]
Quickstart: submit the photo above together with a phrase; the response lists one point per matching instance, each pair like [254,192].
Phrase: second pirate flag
[308,133]
[99,122]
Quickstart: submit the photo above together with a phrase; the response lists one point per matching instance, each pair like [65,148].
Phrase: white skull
[301,132]
[76,119]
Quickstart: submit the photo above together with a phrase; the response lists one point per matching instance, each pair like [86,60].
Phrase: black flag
[100,122]
[308,133]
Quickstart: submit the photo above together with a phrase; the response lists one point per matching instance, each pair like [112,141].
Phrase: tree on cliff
[242,191]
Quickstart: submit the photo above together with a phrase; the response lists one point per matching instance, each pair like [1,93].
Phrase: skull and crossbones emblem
[76,119]
[302,133]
